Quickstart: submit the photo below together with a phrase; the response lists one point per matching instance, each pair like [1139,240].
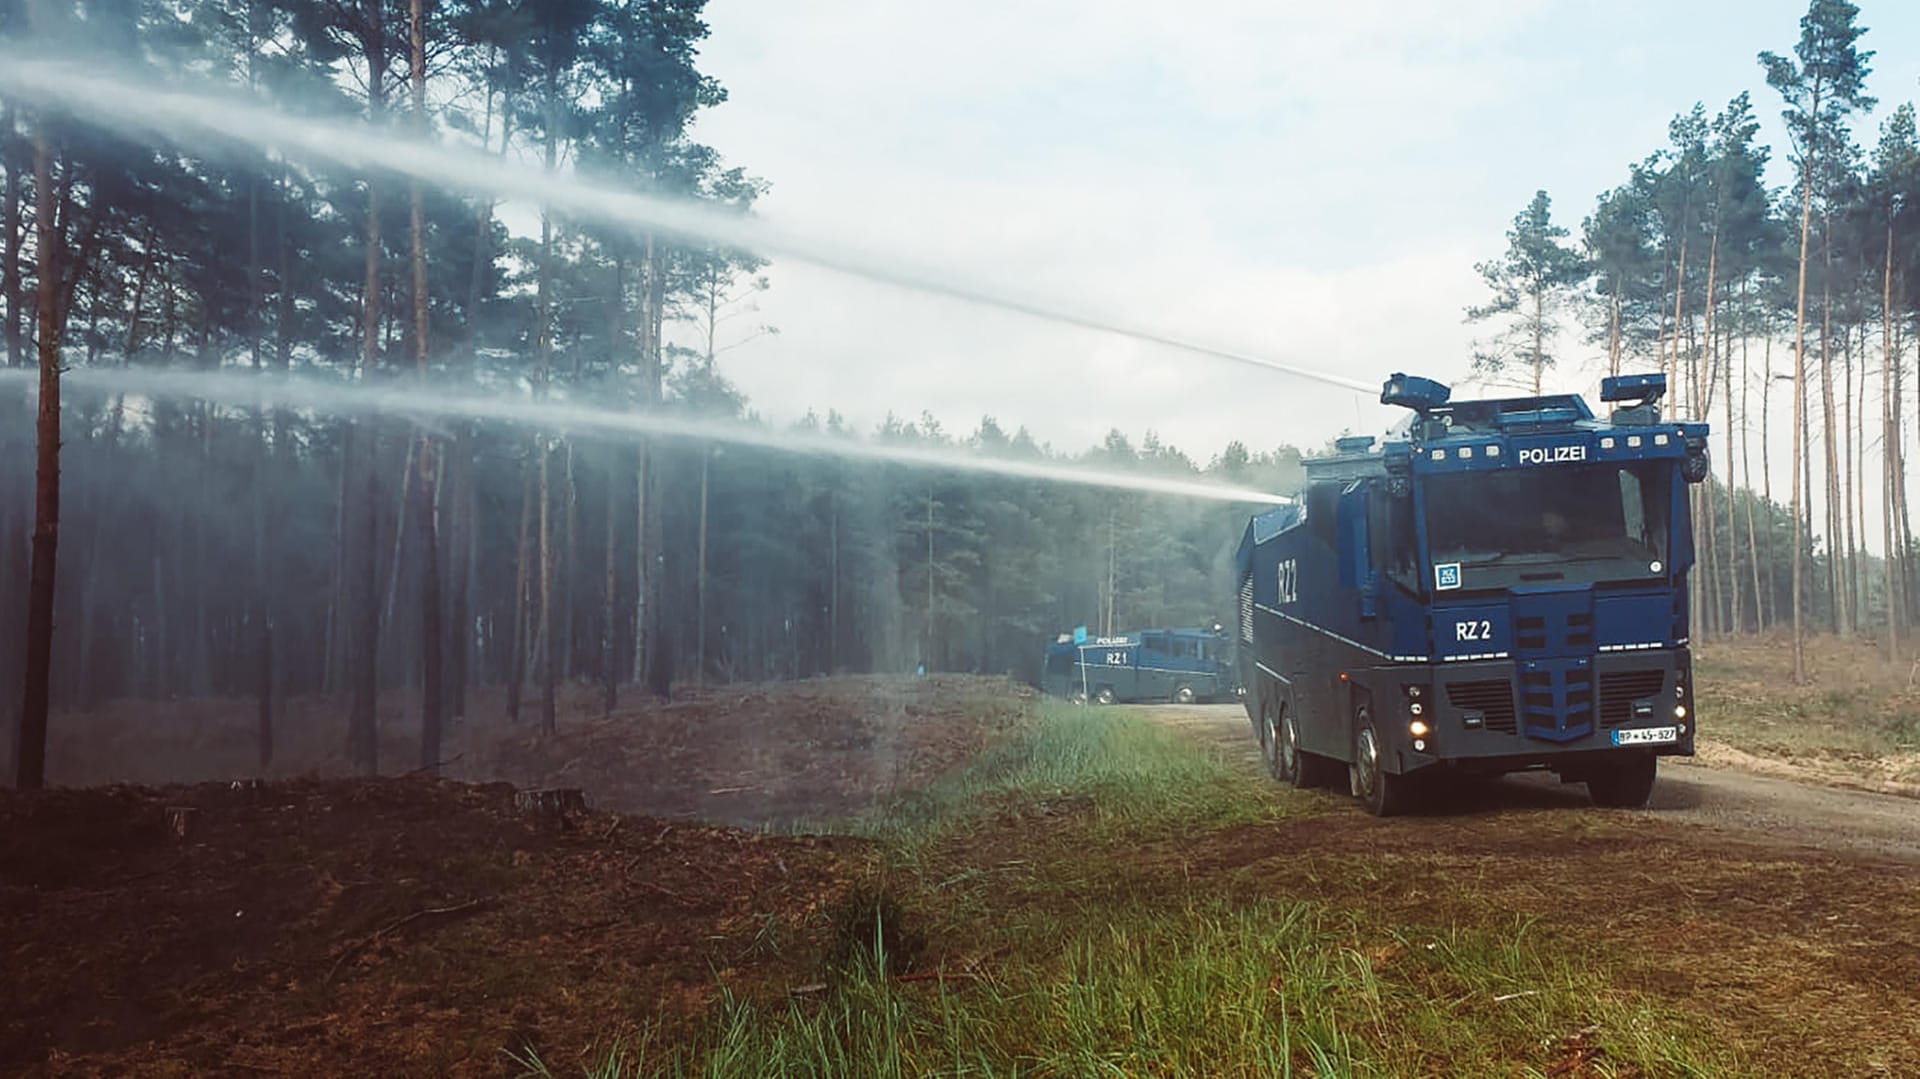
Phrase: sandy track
[1757,808]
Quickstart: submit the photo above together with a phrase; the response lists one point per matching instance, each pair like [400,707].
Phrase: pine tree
[1821,85]
[1529,284]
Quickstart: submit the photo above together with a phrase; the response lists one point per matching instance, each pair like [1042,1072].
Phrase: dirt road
[1756,808]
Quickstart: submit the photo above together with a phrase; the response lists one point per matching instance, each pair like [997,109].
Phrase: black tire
[1183,695]
[1383,793]
[1103,695]
[1283,755]
[1076,696]
[1624,784]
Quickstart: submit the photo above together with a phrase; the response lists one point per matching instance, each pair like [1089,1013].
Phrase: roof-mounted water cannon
[1422,395]
[1638,397]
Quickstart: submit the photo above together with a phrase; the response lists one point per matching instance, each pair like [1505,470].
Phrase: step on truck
[1181,665]
[1498,586]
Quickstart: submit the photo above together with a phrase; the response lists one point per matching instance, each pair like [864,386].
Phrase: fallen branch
[431,912]
[434,767]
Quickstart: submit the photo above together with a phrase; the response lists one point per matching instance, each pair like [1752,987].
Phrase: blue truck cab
[1500,585]
[1179,665]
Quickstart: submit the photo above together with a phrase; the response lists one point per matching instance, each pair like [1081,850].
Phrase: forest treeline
[1759,302]
[266,552]
[210,550]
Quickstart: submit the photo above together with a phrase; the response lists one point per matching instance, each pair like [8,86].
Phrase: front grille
[1530,633]
[1580,630]
[1246,608]
[1619,689]
[1491,697]
[1537,691]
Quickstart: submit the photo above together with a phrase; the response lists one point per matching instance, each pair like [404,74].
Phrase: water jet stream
[137,110]
[420,402]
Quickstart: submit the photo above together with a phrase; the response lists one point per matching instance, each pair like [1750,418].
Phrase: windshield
[1585,514]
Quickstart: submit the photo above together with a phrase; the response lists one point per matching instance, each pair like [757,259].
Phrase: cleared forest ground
[1855,723]
[749,755]
[1092,891]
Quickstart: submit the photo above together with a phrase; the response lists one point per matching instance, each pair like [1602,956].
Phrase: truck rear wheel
[1103,695]
[1282,753]
[1183,695]
[1382,792]
[1624,784]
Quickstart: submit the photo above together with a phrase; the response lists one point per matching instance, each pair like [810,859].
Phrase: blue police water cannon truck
[1181,665]
[1499,586]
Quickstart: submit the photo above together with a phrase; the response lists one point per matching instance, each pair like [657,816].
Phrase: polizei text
[1552,455]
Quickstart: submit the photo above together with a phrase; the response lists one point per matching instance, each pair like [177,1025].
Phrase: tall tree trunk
[1679,306]
[362,525]
[1849,569]
[12,289]
[522,588]
[700,576]
[1539,338]
[1902,524]
[569,563]
[1700,380]
[651,665]
[1766,469]
[1746,477]
[365,737]
[1837,595]
[610,589]
[1799,420]
[1613,331]
[432,634]
[31,762]
[1890,446]
[543,350]
[1734,612]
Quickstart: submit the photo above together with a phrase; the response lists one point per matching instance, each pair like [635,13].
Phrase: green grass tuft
[1071,975]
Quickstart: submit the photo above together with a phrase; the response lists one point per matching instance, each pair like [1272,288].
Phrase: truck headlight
[1418,728]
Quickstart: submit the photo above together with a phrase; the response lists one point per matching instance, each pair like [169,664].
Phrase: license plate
[1640,736]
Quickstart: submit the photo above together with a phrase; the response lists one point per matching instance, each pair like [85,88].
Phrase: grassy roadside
[1011,932]
[1857,718]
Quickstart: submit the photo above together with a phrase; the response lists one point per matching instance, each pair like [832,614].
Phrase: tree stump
[180,822]
[248,791]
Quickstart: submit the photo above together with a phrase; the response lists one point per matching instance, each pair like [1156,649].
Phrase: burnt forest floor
[1025,890]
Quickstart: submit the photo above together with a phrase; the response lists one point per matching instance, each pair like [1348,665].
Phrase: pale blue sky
[1310,182]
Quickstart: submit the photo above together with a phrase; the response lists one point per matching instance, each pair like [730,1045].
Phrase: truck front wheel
[1624,784]
[1382,792]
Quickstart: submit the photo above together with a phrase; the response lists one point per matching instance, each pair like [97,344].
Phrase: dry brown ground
[1855,722]
[414,926]
[741,754]
[420,926]
[375,927]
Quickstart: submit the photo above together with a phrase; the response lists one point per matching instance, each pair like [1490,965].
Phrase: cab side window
[1390,538]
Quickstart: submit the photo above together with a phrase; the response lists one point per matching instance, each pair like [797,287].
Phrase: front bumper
[1508,714]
